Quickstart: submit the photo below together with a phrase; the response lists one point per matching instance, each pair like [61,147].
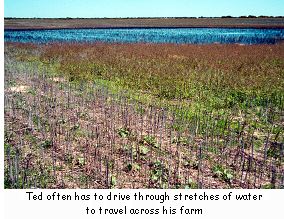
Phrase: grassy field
[144,116]
[53,23]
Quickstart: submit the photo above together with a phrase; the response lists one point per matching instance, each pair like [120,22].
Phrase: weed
[150,141]
[180,140]
[144,150]
[80,161]
[223,173]
[191,184]
[123,132]
[113,182]
[46,144]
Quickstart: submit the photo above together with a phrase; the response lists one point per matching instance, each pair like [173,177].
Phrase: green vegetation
[122,132]
[143,116]
[223,173]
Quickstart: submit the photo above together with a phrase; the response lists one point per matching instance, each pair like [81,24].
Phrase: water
[149,35]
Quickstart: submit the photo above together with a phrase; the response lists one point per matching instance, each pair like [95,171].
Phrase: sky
[141,8]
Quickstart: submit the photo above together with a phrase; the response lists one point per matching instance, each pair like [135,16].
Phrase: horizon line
[162,17]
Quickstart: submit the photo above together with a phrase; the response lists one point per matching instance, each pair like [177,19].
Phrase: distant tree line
[227,16]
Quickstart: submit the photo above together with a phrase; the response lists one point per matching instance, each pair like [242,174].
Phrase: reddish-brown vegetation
[143,116]
[54,23]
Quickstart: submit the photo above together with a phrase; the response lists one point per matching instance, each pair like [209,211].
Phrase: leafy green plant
[81,161]
[75,127]
[46,144]
[275,150]
[133,167]
[68,158]
[268,186]
[123,132]
[144,150]
[180,140]
[150,141]
[83,178]
[191,184]
[191,164]
[222,173]
[83,115]
[61,121]
[179,127]
[113,182]
[32,91]
[158,172]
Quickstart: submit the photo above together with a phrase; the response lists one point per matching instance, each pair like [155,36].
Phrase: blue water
[155,35]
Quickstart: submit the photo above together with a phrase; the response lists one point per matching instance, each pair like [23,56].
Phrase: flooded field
[150,35]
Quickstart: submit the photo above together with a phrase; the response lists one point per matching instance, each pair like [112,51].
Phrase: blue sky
[141,8]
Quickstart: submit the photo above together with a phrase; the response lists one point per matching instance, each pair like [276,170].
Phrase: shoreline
[138,23]
[164,27]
